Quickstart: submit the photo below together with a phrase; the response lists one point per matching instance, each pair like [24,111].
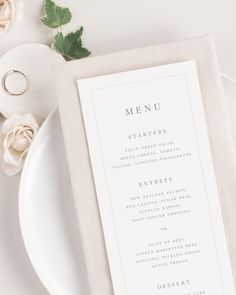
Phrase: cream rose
[6,14]
[18,132]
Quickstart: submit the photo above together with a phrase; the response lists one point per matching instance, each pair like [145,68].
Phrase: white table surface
[110,25]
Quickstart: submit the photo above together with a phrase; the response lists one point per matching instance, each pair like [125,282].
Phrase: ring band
[4,86]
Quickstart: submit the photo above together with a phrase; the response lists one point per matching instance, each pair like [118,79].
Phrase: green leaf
[55,16]
[70,46]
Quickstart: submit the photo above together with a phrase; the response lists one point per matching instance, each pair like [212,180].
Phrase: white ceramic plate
[47,217]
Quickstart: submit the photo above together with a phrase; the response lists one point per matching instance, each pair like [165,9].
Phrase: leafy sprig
[69,46]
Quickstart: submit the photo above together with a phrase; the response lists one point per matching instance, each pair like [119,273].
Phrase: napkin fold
[200,49]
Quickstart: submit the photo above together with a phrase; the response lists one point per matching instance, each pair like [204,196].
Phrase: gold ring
[4,82]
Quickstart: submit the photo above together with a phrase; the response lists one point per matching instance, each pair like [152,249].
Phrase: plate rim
[40,274]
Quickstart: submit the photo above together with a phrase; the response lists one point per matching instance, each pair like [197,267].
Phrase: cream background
[110,26]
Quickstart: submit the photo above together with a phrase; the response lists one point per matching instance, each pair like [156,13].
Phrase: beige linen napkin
[200,49]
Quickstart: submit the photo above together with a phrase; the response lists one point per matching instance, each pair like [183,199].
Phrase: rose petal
[11,170]
[29,120]
[8,140]
[25,121]
[11,156]
[23,155]
[6,11]
[29,139]
[21,143]
[28,134]
[4,23]
[10,123]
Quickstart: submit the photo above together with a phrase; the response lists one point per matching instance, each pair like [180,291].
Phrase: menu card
[155,182]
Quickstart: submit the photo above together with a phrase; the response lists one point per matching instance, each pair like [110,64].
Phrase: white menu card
[155,182]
